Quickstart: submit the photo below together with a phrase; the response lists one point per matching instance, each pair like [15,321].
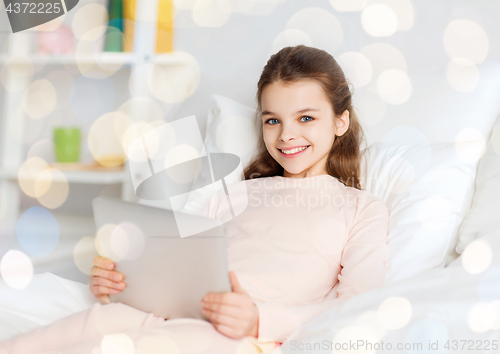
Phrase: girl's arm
[363,268]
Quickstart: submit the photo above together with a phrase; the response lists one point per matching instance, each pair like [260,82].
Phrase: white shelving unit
[19,58]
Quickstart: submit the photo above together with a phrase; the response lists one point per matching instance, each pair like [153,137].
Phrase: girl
[308,240]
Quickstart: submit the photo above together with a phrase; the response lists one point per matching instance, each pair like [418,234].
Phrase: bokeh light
[379,20]
[291,38]
[38,231]
[384,57]
[320,25]
[184,4]
[356,67]
[16,269]
[211,13]
[128,241]
[144,108]
[434,213]
[348,5]
[89,17]
[158,138]
[15,77]
[105,139]
[29,172]
[91,61]
[184,330]
[177,155]
[477,256]
[117,343]
[353,333]
[159,343]
[403,9]
[394,312]
[163,139]
[84,254]
[370,319]
[173,84]
[103,242]
[470,144]
[495,308]
[462,74]
[134,147]
[43,149]
[394,86]
[52,188]
[137,74]
[481,317]
[40,99]
[466,39]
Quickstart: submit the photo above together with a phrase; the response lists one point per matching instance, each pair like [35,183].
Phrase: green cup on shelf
[67,144]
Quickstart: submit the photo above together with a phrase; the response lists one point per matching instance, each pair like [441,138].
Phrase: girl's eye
[270,119]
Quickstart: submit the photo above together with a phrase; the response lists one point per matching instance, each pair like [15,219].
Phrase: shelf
[175,58]
[84,177]
[102,58]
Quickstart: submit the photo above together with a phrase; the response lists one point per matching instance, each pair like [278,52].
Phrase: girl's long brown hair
[289,65]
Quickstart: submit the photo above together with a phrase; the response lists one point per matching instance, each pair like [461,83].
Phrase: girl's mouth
[289,156]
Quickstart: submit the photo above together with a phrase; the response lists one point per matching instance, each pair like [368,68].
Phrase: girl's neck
[304,174]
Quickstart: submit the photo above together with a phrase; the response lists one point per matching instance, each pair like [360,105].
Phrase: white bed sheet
[443,306]
[441,301]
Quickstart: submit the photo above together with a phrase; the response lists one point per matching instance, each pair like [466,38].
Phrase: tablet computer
[165,274]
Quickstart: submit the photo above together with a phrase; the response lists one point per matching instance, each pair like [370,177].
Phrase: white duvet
[446,306]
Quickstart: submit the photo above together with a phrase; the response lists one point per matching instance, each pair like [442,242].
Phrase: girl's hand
[232,313]
[105,281]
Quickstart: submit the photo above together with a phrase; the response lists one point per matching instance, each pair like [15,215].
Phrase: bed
[441,181]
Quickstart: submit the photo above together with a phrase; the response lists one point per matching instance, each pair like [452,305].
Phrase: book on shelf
[120,34]
[165,27]
[114,33]
[128,24]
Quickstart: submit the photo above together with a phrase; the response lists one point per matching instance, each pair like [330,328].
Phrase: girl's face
[297,116]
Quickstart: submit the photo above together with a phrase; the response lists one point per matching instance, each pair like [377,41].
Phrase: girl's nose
[287,134]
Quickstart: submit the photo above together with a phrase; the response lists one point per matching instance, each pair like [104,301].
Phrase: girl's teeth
[293,151]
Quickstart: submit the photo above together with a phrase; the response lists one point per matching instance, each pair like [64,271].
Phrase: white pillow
[230,128]
[484,213]
[426,189]
[46,299]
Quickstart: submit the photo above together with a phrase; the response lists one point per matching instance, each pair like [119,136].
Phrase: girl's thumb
[234,283]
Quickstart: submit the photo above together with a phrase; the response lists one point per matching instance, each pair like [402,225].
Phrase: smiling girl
[308,240]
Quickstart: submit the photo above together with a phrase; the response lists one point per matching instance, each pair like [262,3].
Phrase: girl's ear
[342,123]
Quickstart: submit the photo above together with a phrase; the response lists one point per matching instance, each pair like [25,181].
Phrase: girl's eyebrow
[264,113]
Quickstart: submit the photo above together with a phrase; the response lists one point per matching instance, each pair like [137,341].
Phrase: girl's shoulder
[366,201]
